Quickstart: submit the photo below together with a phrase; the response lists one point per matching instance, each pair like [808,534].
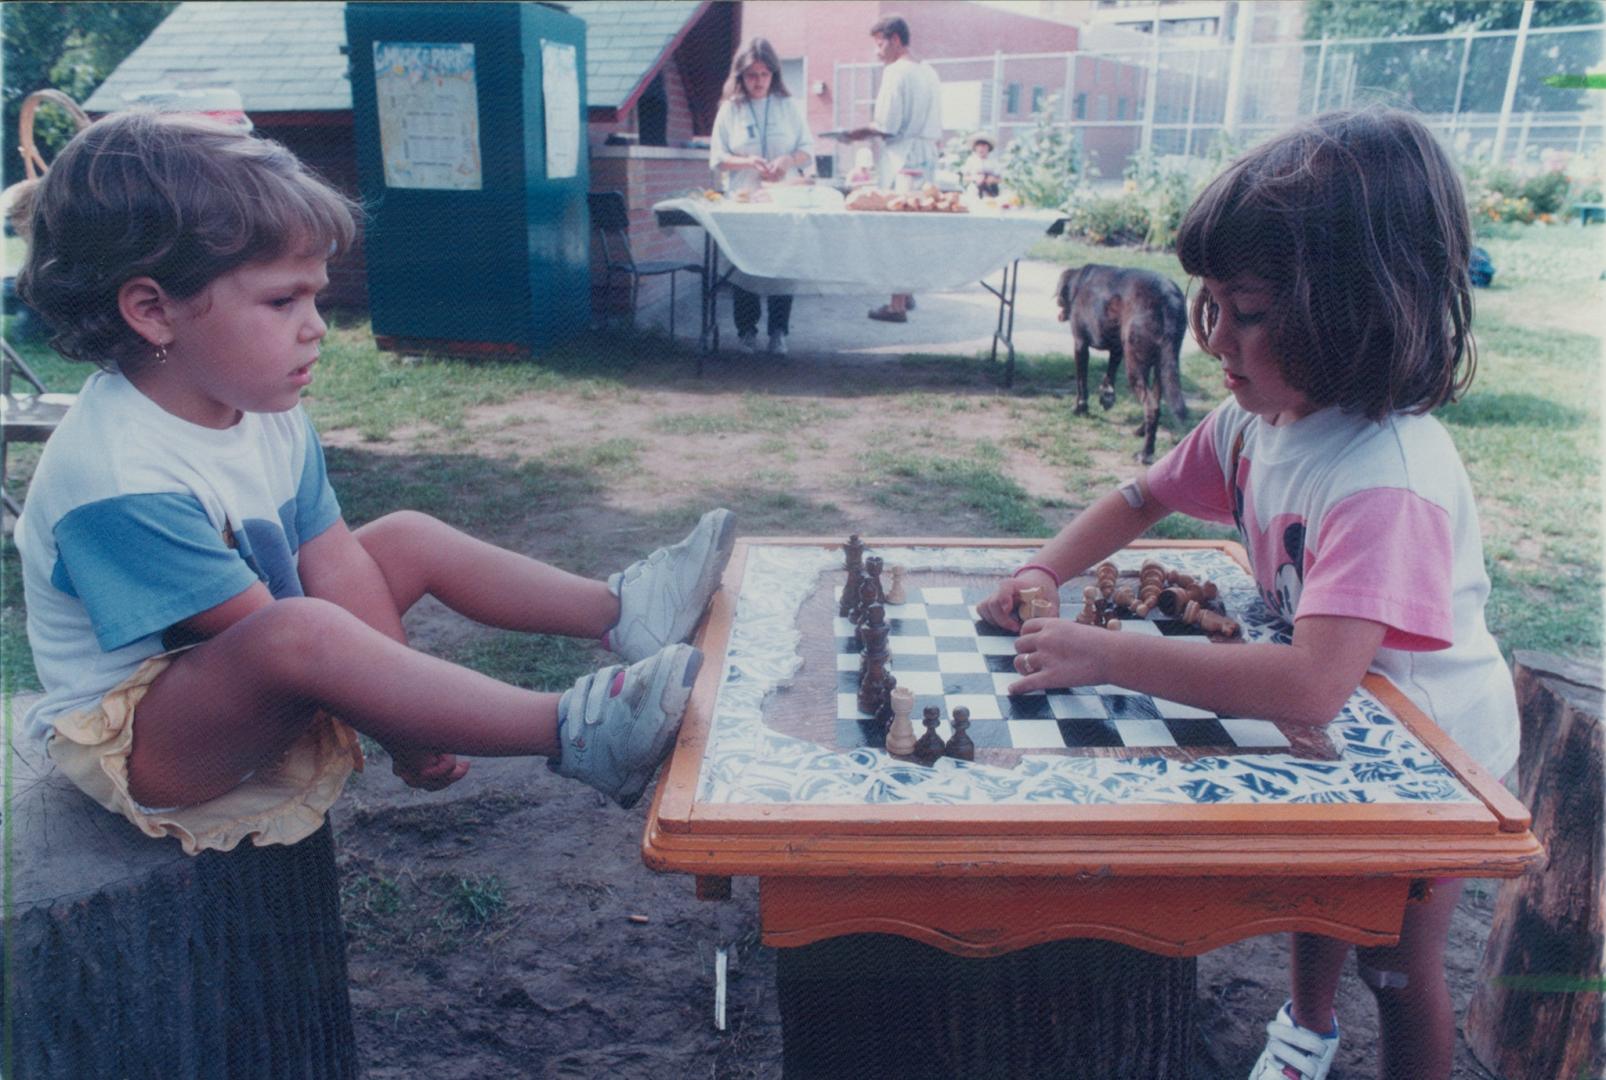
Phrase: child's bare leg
[419,554]
[1416,1019]
[1318,962]
[239,700]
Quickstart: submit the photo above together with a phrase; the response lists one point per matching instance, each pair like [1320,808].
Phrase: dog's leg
[1107,387]
[1143,379]
[1080,352]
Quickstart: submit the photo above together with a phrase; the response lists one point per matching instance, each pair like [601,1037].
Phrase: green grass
[952,486]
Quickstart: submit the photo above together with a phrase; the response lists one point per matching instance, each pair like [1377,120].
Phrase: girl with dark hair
[1331,265]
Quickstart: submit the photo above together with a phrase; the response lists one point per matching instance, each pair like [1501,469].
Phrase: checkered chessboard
[944,652]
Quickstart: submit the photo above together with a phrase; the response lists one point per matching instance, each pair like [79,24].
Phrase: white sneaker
[662,596]
[1293,1052]
[748,341]
[777,344]
[616,724]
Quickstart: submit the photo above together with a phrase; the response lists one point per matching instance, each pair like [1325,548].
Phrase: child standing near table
[1333,289]
[204,624]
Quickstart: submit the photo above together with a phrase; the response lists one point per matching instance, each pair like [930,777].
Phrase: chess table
[1158,844]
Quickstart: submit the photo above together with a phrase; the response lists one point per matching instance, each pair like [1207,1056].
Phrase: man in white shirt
[908,120]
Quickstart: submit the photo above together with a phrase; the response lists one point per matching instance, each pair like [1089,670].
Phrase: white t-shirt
[137,520]
[1342,516]
[909,109]
[768,127]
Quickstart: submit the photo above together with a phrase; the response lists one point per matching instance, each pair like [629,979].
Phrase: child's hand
[427,769]
[999,608]
[1056,653]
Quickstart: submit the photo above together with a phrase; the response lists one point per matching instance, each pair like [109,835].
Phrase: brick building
[654,69]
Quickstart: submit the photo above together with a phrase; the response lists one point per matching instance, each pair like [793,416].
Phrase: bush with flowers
[1539,193]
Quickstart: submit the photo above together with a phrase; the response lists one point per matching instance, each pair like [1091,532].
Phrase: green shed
[470,132]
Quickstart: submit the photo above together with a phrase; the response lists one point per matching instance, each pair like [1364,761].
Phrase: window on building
[1120,108]
[1102,109]
[1081,106]
[1012,98]
[1038,94]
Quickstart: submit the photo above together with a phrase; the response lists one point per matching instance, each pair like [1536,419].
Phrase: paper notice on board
[560,88]
[429,117]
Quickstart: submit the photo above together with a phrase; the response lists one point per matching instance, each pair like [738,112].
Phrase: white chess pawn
[894,590]
[901,733]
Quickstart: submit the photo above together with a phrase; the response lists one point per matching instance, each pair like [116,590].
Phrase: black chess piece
[872,570]
[959,743]
[873,630]
[872,688]
[883,715]
[853,554]
[930,745]
[865,601]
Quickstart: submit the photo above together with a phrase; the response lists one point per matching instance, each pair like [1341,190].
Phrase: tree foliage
[1391,18]
[71,47]
[1426,75]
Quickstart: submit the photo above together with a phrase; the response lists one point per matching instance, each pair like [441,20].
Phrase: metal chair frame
[611,218]
[24,417]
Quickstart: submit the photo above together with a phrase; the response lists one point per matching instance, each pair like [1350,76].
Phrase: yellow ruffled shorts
[280,803]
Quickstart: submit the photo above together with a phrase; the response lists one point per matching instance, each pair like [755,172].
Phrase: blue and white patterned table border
[748,763]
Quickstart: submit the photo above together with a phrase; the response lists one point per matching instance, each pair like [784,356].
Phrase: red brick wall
[646,175]
[828,32]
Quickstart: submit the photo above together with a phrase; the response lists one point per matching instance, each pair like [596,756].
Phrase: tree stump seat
[1537,1013]
[124,957]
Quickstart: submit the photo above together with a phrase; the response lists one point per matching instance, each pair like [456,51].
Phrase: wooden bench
[1590,213]
[122,956]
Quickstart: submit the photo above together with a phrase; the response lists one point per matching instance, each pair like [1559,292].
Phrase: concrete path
[959,322]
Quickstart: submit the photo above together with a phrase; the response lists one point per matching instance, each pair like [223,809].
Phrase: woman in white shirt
[761,133]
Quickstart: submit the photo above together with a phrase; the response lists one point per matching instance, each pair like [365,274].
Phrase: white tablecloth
[815,252]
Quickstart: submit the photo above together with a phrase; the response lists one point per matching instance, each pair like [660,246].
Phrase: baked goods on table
[927,200]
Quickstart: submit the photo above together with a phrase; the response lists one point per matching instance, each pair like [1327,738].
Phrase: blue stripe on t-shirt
[315,505]
[140,563]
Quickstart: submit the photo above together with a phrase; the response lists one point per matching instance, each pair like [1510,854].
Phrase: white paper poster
[429,116]
[560,90]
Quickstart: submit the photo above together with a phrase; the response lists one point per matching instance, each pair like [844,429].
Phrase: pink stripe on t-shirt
[1385,554]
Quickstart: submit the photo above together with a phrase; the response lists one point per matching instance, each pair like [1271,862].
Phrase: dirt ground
[507,926]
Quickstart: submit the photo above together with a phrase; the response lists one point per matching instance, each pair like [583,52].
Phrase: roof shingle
[258,48]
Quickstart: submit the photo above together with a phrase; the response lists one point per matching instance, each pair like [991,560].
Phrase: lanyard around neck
[763,129]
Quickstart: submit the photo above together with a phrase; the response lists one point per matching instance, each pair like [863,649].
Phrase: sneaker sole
[671,688]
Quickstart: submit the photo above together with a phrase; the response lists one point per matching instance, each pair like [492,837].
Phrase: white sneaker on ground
[748,341]
[1293,1052]
[616,724]
[777,344]
[662,596]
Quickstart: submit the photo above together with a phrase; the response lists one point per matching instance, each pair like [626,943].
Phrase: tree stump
[895,1009]
[1537,1012]
[124,957]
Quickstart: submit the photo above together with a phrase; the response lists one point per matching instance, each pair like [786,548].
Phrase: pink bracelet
[1039,566]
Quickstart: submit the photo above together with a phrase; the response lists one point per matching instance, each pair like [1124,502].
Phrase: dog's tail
[1176,325]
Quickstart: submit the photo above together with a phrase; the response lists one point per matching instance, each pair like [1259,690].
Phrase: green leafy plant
[1039,164]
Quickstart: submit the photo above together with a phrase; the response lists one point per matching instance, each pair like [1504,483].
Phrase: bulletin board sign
[428,109]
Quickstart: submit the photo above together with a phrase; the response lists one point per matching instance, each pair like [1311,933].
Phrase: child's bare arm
[1105,527]
[334,566]
[1307,682]
[214,620]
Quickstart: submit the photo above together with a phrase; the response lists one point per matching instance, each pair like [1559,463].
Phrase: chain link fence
[1484,92]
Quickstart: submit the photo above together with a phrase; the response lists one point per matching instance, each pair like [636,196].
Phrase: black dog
[1137,315]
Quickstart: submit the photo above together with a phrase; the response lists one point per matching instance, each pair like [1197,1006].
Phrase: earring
[161,354]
